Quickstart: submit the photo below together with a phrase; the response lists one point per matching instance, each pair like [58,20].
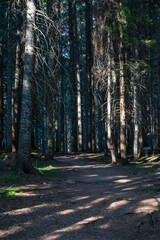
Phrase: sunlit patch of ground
[88,200]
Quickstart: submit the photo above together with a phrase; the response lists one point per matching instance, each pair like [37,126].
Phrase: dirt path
[89,201]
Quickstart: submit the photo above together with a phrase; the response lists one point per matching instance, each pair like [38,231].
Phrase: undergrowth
[49,169]
[11,178]
[9,192]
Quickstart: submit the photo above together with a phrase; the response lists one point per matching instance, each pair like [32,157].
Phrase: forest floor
[88,200]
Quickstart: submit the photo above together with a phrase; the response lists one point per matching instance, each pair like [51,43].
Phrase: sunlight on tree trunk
[122,95]
[24,147]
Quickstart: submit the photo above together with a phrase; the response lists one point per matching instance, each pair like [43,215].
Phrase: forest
[79,119]
[79,76]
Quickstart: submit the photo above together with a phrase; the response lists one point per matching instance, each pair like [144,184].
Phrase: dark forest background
[79,76]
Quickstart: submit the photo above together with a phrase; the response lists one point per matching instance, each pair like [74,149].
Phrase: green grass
[136,168]
[139,162]
[11,178]
[9,192]
[157,174]
[11,188]
[36,152]
[132,168]
[49,169]
[150,158]
[99,157]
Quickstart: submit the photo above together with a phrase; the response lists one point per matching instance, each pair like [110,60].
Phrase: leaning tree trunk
[24,145]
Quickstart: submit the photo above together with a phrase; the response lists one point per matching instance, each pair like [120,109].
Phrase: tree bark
[73,77]
[78,83]
[155,77]
[24,144]
[110,98]
[1,98]
[89,77]
[17,91]
[123,149]
[9,84]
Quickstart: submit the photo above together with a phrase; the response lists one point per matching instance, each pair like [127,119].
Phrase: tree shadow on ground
[88,201]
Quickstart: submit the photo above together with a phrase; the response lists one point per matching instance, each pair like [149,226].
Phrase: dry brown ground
[89,201]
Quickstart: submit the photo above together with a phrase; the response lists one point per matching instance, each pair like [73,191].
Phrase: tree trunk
[89,79]
[50,129]
[136,124]
[61,85]
[110,112]
[123,148]
[17,94]
[73,76]
[62,125]
[9,85]
[78,83]
[155,78]
[1,98]
[24,144]
[136,101]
